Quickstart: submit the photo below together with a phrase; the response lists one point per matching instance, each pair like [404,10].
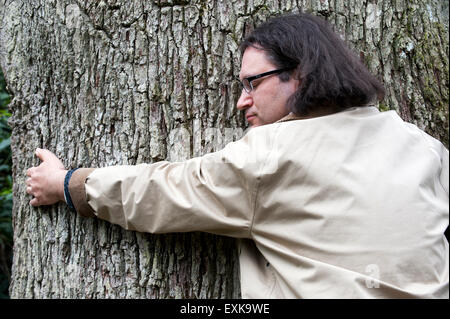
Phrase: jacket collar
[291,116]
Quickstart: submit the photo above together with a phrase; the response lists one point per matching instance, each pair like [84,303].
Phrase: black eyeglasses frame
[255,77]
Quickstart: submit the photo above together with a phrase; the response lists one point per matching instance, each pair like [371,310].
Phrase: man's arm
[214,193]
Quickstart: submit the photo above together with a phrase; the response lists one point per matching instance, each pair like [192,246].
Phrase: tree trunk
[125,82]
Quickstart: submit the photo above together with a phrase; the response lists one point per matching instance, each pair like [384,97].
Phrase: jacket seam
[258,177]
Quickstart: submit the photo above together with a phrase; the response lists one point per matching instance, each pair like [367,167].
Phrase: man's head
[316,72]
[267,98]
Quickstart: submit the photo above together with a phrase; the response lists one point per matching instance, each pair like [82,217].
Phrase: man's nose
[245,101]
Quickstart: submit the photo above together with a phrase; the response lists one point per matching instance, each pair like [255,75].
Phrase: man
[331,198]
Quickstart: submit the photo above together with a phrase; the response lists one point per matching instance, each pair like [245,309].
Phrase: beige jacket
[349,205]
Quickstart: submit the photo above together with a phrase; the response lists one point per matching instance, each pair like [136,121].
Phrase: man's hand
[46,182]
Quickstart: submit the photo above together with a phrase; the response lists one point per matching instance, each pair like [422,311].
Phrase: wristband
[66,189]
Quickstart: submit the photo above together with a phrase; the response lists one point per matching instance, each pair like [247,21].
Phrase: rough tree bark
[109,82]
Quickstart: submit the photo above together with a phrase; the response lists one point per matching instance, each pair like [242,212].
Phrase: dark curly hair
[331,76]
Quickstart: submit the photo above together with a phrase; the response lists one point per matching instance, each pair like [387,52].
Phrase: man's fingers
[34,202]
[47,156]
[30,171]
[29,190]
[43,155]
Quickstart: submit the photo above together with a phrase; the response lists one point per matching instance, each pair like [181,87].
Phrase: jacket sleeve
[214,193]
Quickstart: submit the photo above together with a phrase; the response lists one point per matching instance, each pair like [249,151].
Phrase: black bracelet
[66,189]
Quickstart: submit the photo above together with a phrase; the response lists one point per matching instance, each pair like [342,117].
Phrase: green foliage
[6,232]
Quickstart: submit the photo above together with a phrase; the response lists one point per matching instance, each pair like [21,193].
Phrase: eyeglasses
[246,83]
